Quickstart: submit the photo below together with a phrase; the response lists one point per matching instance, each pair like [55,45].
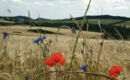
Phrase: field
[127,23]
[64,49]
[23,58]
[104,21]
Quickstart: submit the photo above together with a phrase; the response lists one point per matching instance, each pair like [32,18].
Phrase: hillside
[15,18]
[77,18]
[112,25]
[105,17]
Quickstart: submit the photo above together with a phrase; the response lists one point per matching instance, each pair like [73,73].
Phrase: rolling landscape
[89,47]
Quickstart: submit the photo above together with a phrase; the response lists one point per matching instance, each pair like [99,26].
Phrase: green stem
[75,45]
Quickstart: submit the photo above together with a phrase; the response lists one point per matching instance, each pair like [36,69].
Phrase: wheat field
[24,58]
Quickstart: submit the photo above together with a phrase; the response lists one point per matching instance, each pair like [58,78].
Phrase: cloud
[116,0]
[17,1]
[62,8]
[64,1]
[31,3]
[37,3]
[108,5]
[4,0]
[54,3]
[121,8]
[51,4]
[85,1]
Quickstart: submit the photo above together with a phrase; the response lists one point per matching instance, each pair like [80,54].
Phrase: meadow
[25,58]
[32,52]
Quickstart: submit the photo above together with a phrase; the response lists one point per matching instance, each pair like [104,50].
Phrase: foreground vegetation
[58,57]
[22,58]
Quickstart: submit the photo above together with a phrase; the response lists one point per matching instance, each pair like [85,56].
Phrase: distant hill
[42,19]
[15,18]
[102,17]
[108,23]
[105,17]
[93,19]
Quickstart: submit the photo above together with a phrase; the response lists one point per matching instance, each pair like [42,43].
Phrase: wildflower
[55,58]
[84,67]
[114,71]
[5,34]
[49,62]
[44,37]
[37,40]
[26,78]
[68,69]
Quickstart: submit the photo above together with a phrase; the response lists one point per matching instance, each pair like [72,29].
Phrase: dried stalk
[88,73]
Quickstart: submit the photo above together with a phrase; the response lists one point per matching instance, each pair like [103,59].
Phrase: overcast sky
[59,9]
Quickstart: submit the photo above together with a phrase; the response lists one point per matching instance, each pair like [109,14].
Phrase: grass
[127,23]
[26,53]
[104,21]
[23,30]
[22,59]
[91,21]
[4,21]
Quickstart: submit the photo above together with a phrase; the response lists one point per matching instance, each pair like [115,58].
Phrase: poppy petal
[113,75]
[49,62]
[56,56]
[114,71]
[119,69]
[62,61]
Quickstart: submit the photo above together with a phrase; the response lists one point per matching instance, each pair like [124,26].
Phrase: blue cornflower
[26,78]
[68,69]
[5,34]
[44,37]
[37,40]
[84,67]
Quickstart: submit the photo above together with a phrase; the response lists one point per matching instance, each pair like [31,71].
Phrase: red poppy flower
[49,62]
[62,61]
[55,58]
[114,71]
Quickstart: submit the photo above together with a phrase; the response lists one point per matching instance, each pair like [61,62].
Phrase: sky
[60,9]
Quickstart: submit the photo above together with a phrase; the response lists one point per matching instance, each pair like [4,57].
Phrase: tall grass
[26,58]
[22,59]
